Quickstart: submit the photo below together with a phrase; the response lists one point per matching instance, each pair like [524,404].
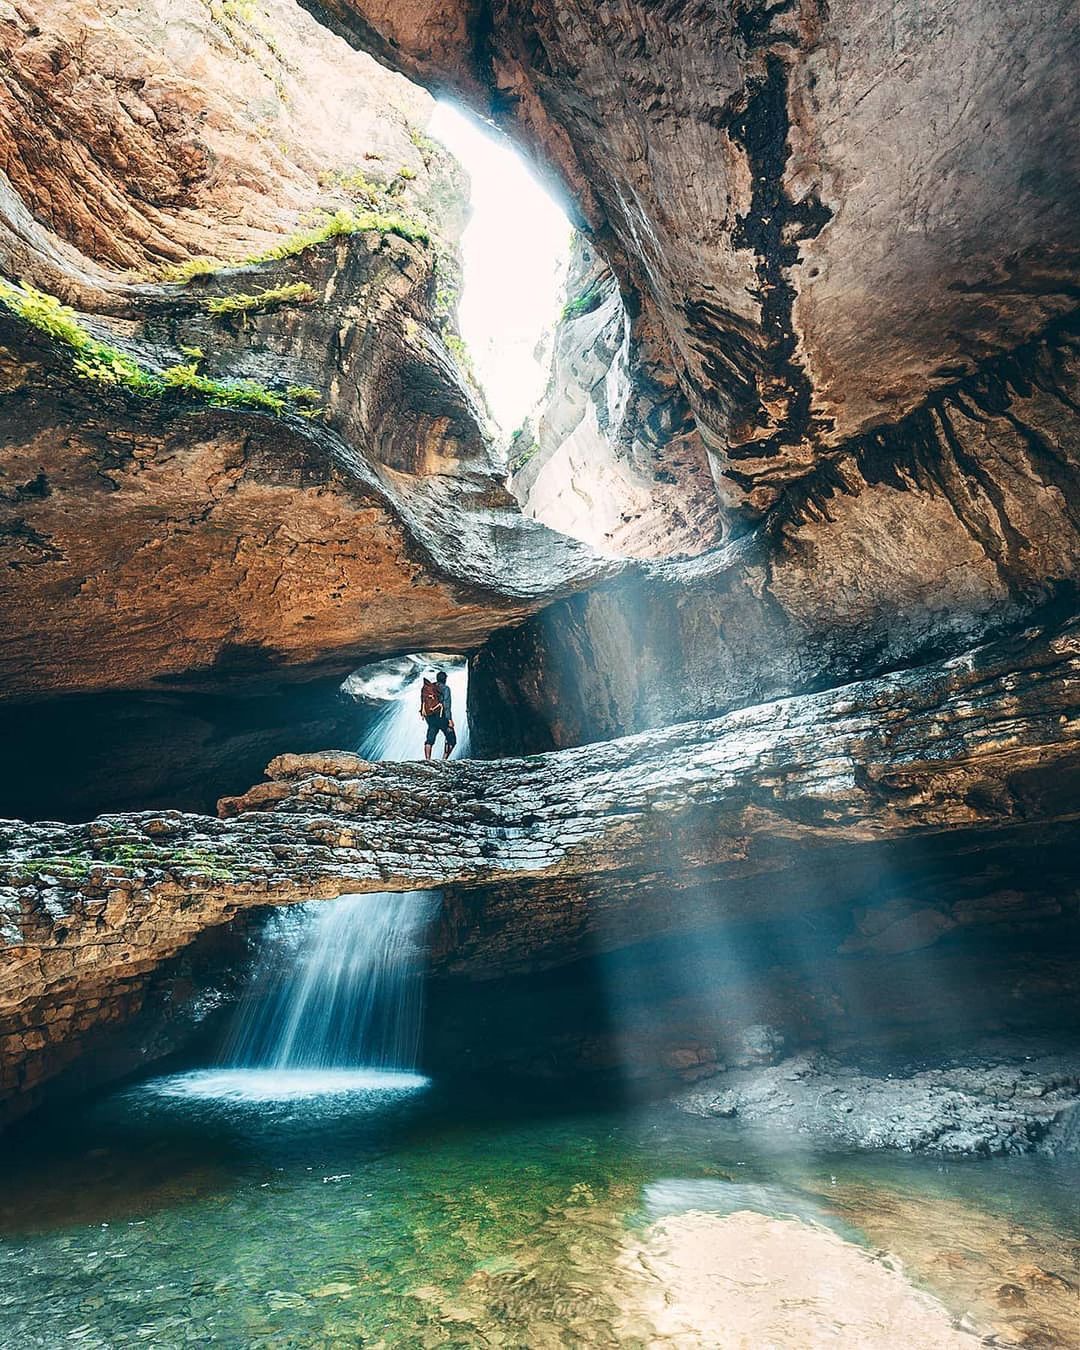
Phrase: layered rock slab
[984,743]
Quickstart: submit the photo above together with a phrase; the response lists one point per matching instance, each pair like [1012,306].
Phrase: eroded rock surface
[830,212]
[144,134]
[151,539]
[981,744]
[160,536]
[983,1105]
[610,454]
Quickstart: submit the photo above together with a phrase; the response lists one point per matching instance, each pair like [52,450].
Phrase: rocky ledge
[556,856]
[276,468]
[995,1100]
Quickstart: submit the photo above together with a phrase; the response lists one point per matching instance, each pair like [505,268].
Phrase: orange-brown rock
[163,539]
[150,541]
[831,211]
[143,134]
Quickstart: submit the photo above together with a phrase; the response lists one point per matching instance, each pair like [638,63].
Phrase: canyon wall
[240,455]
[846,236]
[597,459]
[829,212]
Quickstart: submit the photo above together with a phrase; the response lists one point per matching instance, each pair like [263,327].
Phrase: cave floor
[394,1214]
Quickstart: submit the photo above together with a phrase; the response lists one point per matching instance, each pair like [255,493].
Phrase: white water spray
[348,996]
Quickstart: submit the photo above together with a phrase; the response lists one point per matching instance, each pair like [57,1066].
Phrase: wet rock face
[829,211]
[611,455]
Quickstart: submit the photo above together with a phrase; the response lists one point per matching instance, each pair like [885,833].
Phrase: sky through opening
[514,254]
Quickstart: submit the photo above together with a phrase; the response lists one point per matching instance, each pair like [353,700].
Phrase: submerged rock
[752,1279]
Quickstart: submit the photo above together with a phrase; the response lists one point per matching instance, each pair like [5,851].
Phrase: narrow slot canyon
[538,674]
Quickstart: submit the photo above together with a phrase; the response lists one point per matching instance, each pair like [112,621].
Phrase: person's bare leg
[427,750]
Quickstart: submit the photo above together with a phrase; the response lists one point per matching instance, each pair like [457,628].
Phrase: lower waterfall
[339,983]
[349,995]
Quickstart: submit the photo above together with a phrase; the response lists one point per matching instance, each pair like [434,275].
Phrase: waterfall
[398,732]
[339,984]
[347,994]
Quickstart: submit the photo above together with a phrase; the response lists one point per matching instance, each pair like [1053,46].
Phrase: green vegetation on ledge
[342,222]
[260,302]
[583,304]
[101,363]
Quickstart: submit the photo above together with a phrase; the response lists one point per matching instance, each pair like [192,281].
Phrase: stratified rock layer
[603,836]
[151,539]
[144,134]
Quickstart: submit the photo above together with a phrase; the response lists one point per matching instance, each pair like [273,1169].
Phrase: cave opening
[515,250]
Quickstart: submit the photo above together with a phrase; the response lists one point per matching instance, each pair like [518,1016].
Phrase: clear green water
[406,1218]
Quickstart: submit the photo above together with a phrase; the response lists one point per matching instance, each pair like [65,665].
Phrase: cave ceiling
[823,213]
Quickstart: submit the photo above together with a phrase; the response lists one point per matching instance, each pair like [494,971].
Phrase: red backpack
[431,704]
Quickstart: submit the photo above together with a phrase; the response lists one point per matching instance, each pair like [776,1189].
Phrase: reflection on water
[214,1208]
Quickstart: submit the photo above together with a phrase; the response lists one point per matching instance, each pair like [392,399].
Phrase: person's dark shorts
[437,724]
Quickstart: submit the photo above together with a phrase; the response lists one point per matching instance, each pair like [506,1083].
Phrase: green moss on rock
[260,302]
[100,363]
[341,222]
[583,304]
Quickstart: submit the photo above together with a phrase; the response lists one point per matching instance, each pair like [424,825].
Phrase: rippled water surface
[364,1209]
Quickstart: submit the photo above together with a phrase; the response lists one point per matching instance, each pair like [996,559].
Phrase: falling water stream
[336,1000]
[349,997]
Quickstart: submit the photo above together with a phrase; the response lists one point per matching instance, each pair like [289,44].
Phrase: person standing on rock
[437,709]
